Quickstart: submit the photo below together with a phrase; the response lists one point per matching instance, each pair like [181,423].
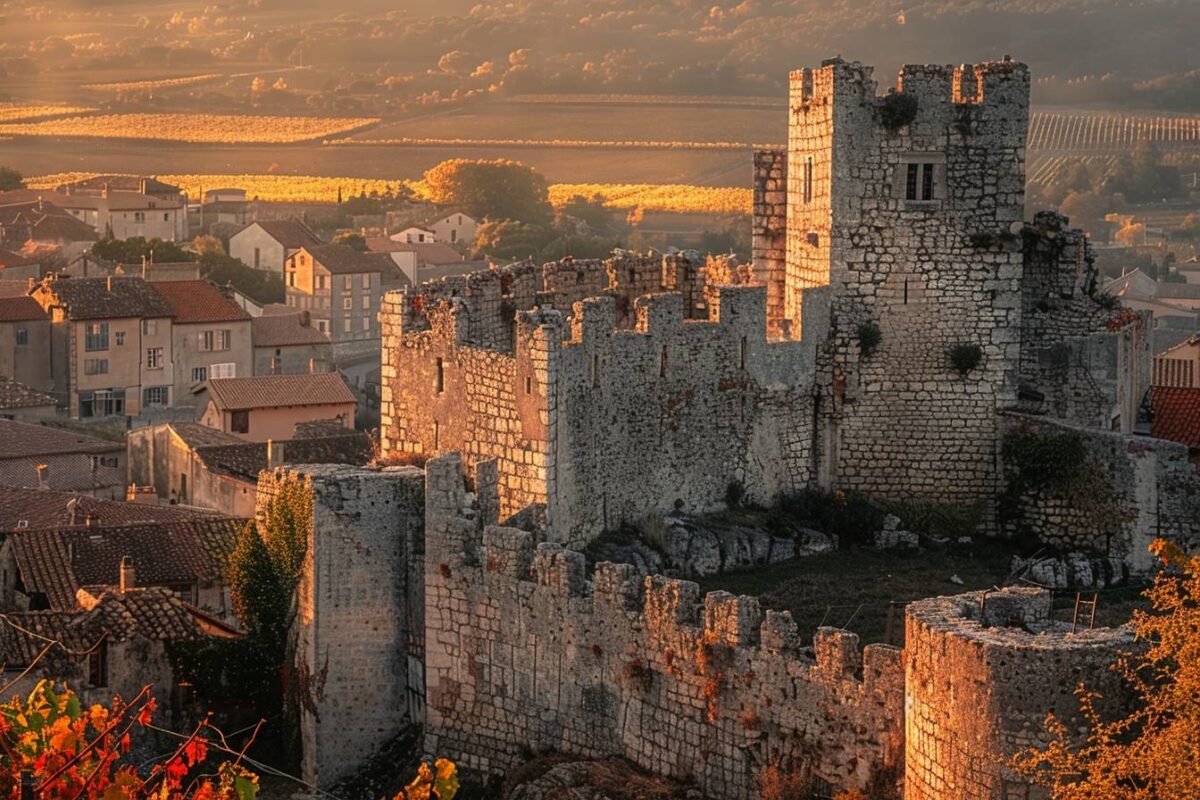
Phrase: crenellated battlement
[837,80]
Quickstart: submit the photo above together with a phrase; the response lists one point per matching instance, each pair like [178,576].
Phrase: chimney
[274,454]
[43,472]
[89,520]
[128,579]
[110,284]
[305,318]
[73,510]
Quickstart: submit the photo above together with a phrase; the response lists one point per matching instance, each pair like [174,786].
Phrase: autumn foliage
[1151,753]
[62,751]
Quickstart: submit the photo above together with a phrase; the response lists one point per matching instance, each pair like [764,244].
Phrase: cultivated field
[191,128]
[1065,129]
[152,85]
[22,112]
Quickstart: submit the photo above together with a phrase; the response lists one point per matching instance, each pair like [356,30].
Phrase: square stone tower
[908,207]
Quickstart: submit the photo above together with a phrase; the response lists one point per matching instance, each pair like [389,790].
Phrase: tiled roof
[1176,414]
[284,330]
[11,259]
[17,395]
[279,391]
[340,259]
[195,435]
[198,301]
[20,309]
[244,461]
[21,439]
[123,183]
[426,252]
[105,298]
[33,508]
[14,287]
[149,613]
[57,563]
[72,472]
[25,219]
[291,233]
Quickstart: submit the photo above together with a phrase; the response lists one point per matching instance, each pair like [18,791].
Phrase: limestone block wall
[769,234]
[931,273]
[1153,487]
[670,413]
[982,670]
[525,652]
[359,624]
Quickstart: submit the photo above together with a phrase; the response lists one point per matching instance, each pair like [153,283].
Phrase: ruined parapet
[769,232]
[359,626]
[528,652]
[982,671]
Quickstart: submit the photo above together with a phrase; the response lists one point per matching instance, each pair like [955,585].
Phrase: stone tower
[908,207]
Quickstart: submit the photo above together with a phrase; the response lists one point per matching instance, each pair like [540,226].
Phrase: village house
[50,568]
[15,265]
[341,287]
[270,406]
[33,222]
[452,227]
[1179,366]
[24,403]
[210,336]
[111,347]
[226,209]
[121,214]
[25,342]
[40,457]
[267,244]
[201,466]
[114,646]
[420,262]
[288,344]
[1177,416]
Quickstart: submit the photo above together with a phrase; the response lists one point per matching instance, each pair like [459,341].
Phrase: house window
[347,282]
[239,422]
[98,666]
[149,327]
[139,216]
[22,337]
[347,303]
[102,403]
[257,258]
[154,396]
[95,366]
[199,374]
[346,325]
[96,337]
[322,326]
[291,278]
[453,235]
[366,302]
[366,323]
[276,364]
[223,339]
[120,337]
[154,358]
[166,217]
[225,370]
[320,281]
[366,280]
[109,461]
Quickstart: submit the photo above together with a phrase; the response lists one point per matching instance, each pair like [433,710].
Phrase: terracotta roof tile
[291,233]
[279,391]
[104,298]
[22,508]
[20,439]
[198,301]
[340,259]
[1176,414]
[17,395]
[284,330]
[20,309]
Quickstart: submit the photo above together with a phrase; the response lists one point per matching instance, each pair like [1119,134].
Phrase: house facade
[24,342]
[111,348]
[288,344]
[267,244]
[210,336]
[120,213]
[1179,366]
[340,287]
[269,407]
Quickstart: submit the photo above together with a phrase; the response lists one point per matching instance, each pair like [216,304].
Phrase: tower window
[919,181]
[808,179]
[927,181]
[910,188]
[440,381]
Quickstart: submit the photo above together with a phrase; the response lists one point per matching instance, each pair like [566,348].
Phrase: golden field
[672,198]
[192,128]
[12,112]
[586,144]
[151,85]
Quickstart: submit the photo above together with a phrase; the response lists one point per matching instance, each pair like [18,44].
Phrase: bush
[851,517]
[735,493]
[869,337]
[897,110]
[965,357]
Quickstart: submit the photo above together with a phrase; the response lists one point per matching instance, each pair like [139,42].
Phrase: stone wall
[1136,489]
[982,671]
[770,235]
[524,652]
[359,623]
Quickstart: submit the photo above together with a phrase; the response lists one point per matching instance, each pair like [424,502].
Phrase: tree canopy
[10,179]
[495,190]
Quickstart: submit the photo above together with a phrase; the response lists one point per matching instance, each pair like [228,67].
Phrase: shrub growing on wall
[966,357]
[869,337]
[897,110]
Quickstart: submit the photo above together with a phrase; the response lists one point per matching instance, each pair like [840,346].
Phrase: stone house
[111,344]
[453,227]
[341,288]
[121,213]
[267,244]
[210,337]
[40,457]
[51,568]
[424,261]
[201,466]
[114,646]
[1179,365]
[288,344]
[25,342]
[270,406]
[26,221]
